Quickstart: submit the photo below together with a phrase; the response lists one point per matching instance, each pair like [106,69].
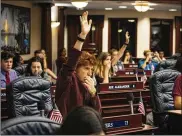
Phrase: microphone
[130,99]
[136,74]
[41,108]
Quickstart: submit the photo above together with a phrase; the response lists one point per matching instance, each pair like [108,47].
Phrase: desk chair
[20,70]
[161,86]
[24,94]
[29,125]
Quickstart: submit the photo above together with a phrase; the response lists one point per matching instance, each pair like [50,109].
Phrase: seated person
[42,55]
[35,68]
[147,63]
[177,90]
[102,69]
[7,73]
[82,121]
[17,60]
[157,58]
[116,55]
[74,86]
[128,58]
[161,55]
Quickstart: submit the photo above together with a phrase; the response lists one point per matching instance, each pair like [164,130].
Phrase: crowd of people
[78,76]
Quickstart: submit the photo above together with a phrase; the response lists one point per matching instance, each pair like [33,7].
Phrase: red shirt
[70,91]
[177,90]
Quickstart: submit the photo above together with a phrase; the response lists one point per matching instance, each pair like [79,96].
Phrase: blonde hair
[98,69]
[145,52]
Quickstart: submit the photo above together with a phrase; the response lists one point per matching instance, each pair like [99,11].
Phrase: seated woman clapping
[35,68]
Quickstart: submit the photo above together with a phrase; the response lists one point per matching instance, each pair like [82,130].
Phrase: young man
[75,87]
[7,73]
[147,63]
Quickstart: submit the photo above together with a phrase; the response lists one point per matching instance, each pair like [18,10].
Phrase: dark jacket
[70,91]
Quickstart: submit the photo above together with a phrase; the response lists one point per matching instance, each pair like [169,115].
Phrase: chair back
[161,86]
[20,70]
[24,94]
[29,125]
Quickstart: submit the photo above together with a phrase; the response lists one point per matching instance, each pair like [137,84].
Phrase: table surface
[178,112]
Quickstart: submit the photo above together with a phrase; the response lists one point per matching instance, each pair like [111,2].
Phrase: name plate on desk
[120,86]
[130,66]
[133,72]
[122,122]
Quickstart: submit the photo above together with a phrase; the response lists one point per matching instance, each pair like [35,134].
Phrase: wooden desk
[175,122]
[146,130]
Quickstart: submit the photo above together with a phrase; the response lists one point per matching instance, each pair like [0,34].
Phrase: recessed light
[172,9]
[123,7]
[151,8]
[150,4]
[108,8]
[63,4]
[131,20]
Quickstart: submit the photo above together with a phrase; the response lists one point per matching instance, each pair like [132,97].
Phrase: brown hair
[86,59]
[112,51]
[145,52]
[99,65]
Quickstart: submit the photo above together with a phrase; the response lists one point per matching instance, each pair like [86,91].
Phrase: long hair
[98,70]
[28,69]
[82,120]
[130,60]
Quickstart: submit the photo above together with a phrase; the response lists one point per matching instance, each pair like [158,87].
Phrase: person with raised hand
[74,86]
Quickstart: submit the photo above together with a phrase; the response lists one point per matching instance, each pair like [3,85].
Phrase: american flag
[141,108]
[55,115]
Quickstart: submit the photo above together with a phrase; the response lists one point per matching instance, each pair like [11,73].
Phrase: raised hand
[127,37]
[85,25]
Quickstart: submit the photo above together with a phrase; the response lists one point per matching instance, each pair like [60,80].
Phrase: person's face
[36,68]
[128,55]
[149,55]
[21,60]
[63,53]
[107,60]
[6,65]
[40,55]
[161,54]
[84,71]
[43,52]
[114,54]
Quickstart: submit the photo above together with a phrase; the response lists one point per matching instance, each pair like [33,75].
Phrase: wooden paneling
[178,26]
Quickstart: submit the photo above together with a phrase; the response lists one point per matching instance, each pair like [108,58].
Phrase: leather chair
[29,125]
[161,86]
[166,64]
[20,70]
[24,94]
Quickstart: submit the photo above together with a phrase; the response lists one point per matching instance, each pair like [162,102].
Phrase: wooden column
[46,32]
[61,19]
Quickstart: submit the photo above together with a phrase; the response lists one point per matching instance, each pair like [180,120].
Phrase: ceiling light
[79,3]
[123,7]
[108,8]
[55,24]
[172,9]
[63,4]
[142,6]
[131,20]
[120,30]
[151,8]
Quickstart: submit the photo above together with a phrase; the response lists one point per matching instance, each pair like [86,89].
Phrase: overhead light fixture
[63,4]
[79,3]
[131,20]
[141,6]
[151,8]
[55,24]
[108,8]
[123,7]
[120,30]
[172,9]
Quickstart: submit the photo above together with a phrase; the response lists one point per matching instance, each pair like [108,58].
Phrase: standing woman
[47,70]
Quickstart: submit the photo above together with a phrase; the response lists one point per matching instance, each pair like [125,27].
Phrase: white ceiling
[101,5]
